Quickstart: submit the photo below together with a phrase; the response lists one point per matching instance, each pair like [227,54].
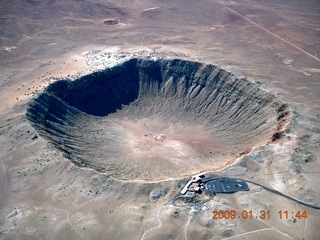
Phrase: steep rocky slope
[148,119]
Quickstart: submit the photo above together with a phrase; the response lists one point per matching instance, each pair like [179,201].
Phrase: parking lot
[225,185]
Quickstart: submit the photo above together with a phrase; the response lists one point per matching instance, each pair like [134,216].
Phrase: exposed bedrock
[151,119]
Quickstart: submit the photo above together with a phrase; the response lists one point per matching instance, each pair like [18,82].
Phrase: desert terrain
[109,107]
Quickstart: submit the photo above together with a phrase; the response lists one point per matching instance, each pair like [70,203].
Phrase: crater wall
[148,119]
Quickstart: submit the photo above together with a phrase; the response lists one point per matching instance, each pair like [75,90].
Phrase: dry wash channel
[151,119]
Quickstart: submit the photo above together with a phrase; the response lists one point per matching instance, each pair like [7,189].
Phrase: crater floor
[151,120]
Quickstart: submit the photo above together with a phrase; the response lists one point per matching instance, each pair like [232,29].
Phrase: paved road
[280,194]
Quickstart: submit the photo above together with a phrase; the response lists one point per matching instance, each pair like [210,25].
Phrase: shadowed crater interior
[149,119]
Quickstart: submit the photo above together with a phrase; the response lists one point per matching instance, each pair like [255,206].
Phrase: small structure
[194,185]
[160,138]
[188,194]
[212,186]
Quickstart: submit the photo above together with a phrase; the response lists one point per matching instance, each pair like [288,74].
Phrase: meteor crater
[151,120]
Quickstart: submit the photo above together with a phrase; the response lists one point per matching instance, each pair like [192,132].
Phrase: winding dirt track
[159,224]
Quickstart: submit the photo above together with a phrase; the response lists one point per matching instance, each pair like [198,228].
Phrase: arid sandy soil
[273,44]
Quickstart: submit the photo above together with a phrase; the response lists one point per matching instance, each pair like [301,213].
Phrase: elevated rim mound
[152,120]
